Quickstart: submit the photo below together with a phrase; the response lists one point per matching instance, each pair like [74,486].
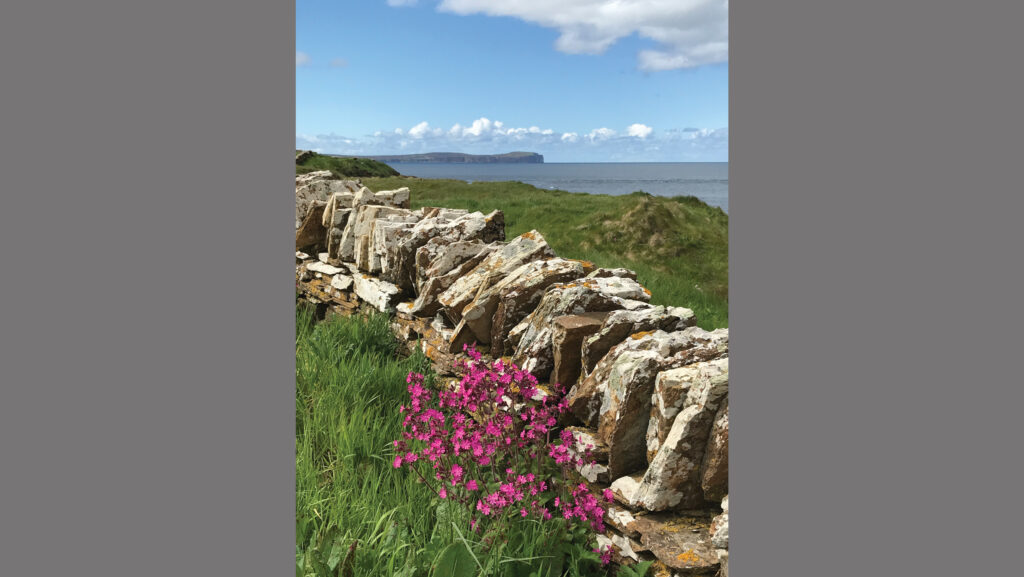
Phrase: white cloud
[639,130]
[480,127]
[570,137]
[601,134]
[689,32]
[419,130]
[302,59]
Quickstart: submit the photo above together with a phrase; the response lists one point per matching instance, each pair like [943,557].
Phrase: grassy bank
[344,167]
[678,246]
[349,385]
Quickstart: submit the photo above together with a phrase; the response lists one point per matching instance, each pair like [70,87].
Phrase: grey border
[146,420]
[875,286]
[148,403]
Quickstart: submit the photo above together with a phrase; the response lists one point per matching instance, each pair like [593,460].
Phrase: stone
[617,395]
[622,520]
[361,227]
[322,267]
[379,294]
[533,335]
[438,257]
[342,282]
[311,234]
[527,247]
[673,478]
[396,198]
[714,477]
[692,344]
[531,277]
[621,324]
[723,559]
[447,227]
[610,272]
[566,341]
[624,489]
[384,236]
[720,527]
[468,254]
[670,390]
[681,542]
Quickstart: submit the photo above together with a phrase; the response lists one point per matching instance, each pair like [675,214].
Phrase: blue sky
[575,80]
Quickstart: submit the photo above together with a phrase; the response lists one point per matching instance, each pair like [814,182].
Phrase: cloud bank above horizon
[635,143]
[687,33]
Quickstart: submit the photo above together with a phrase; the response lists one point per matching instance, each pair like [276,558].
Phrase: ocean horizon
[708,181]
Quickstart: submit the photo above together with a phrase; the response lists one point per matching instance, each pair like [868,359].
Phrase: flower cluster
[491,444]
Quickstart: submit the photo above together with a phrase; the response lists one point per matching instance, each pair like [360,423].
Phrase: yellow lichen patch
[646,292]
[688,557]
[640,335]
[530,235]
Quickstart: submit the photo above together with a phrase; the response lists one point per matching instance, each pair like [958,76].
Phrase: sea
[708,181]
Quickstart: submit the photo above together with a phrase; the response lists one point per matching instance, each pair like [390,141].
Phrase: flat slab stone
[714,479]
[323,267]
[566,341]
[681,542]
[379,294]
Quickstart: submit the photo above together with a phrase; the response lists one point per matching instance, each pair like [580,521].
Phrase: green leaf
[455,560]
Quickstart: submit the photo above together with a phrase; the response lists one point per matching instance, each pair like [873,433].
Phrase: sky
[574,80]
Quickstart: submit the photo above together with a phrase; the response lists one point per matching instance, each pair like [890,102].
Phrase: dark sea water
[708,181]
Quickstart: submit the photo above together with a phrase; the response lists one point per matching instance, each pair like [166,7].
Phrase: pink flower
[608,496]
[397,462]
[471,485]
[443,493]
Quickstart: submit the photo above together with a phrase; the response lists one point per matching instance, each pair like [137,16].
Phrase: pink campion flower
[471,485]
[522,512]
[443,493]
[456,474]
[608,495]
[397,462]
[606,557]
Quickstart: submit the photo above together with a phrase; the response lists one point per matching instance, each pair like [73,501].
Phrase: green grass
[345,167]
[350,381]
[678,246]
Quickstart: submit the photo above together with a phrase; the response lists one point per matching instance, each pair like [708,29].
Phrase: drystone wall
[649,389]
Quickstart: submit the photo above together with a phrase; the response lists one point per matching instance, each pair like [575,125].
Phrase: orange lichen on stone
[529,235]
[688,557]
[646,292]
[640,335]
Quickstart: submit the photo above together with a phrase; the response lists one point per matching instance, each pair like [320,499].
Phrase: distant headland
[459,157]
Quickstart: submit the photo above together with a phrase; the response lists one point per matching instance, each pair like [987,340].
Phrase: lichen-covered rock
[532,277]
[610,272]
[621,324]
[317,187]
[379,294]
[342,282]
[335,231]
[396,198]
[311,234]
[616,396]
[673,478]
[714,479]
[322,267]
[447,227]
[670,390]
[566,341]
[462,257]
[362,225]
[691,345]
[438,257]
[720,527]
[681,542]
[533,336]
[385,235]
[527,247]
